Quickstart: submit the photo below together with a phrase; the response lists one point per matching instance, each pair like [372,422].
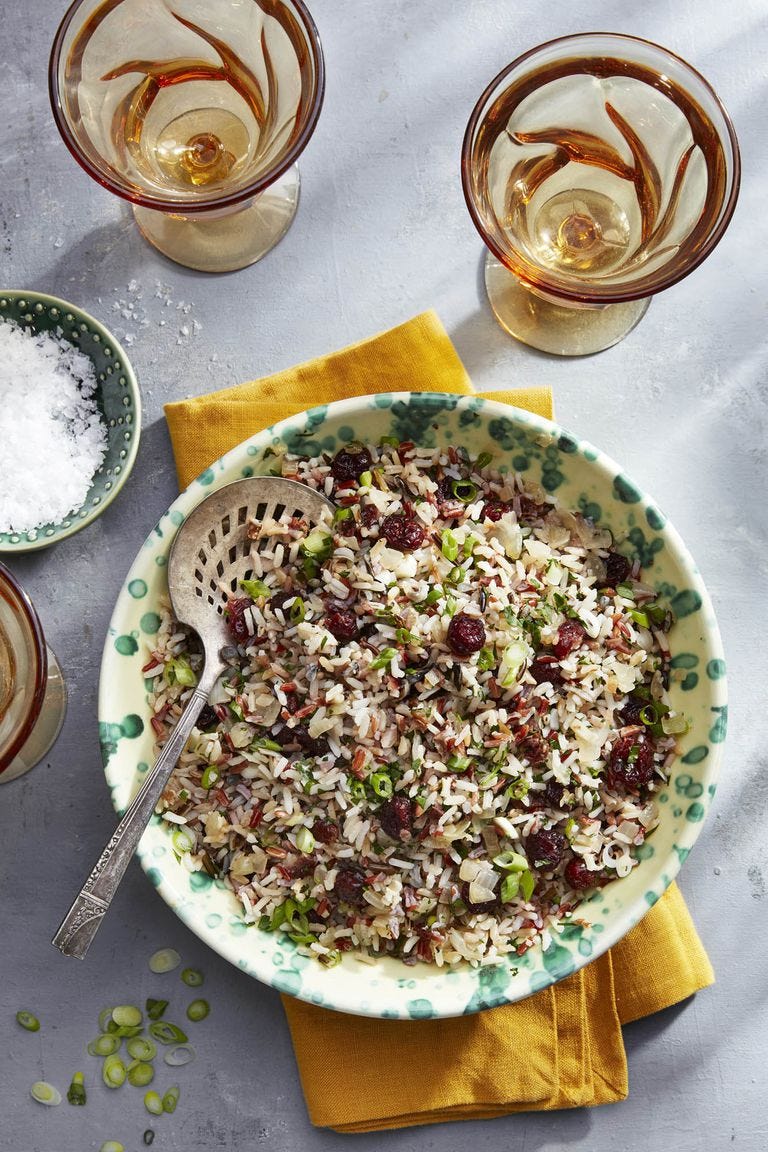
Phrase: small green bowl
[117,397]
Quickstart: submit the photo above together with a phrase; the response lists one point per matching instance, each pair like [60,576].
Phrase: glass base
[47,726]
[550,327]
[224,243]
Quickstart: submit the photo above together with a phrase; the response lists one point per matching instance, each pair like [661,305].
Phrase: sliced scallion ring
[305,842]
[45,1093]
[155,1008]
[171,1099]
[27,1020]
[183,840]
[141,1048]
[198,1010]
[140,1073]
[167,1033]
[179,1055]
[511,861]
[192,977]
[76,1090]
[127,1016]
[113,1072]
[153,1103]
[112,1146]
[464,490]
[165,959]
[105,1045]
[105,1019]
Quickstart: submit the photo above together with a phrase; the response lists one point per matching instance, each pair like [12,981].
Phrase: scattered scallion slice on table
[27,1020]
[164,960]
[140,1073]
[105,1045]
[45,1093]
[192,977]
[153,1103]
[112,1146]
[141,1048]
[180,1055]
[167,1033]
[198,1010]
[155,1008]
[127,1016]
[76,1090]
[170,1099]
[113,1072]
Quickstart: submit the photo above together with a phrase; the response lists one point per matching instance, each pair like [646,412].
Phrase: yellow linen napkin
[561,1048]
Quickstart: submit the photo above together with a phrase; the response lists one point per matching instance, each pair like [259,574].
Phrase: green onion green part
[485,660]
[305,841]
[170,1099]
[366,479]
[483,460]
[113,1072]
[192,977]
[511,861]
[464,490]
[449,545]
[510,886]
[153,1103]
[198,1010]
[27,1020]
[167,1033]
[165,959]
[104,1045]
[527,884]
[140,1074]
[183,839]
[141,1048]
[256,589]
[179,671]
[211,775]
[76,1090]
[382,784]
[127,1016]
[45,1093]
[155,1008]
[385,657]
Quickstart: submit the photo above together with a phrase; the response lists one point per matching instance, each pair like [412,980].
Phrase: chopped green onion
[511,861]
[170,1100]
[183,839]
[105,1019]
[155,1008]
[485,660]
[625,590]
[165,959]
[210,777]
[456,575]
[305,841]
[123,1030]
[330,959]
[192,977]
[167,1033]
[389,442]
[149,1135]
[527,884]
[256,589]
[634,752]
[297,611]
[483,460]
[27,1020]
[112,1146]
[648,714]
[76,1090]
[180,1055]
[488,779]
[464,490]
[126,1016]
[639,618]
[140,1048]
[470,544]
[366,479]
[104,1045]
[449,545]
[657,613]
[571,828]
[674,724]
[431,598]
[266,744]
[140,1073]
[179,671]
[318,544]
[198,1009]
[382,784]
[458,763]
[342,514]
[153,1103]
[512,663]
[113,1072]
[518,790]
[403,636]
[357,789]
[45,1093]
[510,886]
[385,657]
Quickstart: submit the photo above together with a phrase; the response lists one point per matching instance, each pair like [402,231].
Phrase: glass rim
[597,294]
[186,207]
[24,603]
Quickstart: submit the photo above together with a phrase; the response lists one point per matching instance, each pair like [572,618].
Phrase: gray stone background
[382,233]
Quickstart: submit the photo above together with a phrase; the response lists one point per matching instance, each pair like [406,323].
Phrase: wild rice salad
[443,721]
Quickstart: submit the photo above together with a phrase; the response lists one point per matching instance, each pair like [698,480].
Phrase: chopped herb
[256,589]
[639,617]
[298,610]
[366,479]
[266,744]
[179,671]
[449,545]
[625,590]
[458,763]
[385,657]
[405,637]
[486,660]
[634,752]
[342,514]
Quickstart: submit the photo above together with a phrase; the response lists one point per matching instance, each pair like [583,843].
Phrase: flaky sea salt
[52,438]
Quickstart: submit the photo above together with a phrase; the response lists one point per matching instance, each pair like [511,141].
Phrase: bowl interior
[582,478]
[117,397]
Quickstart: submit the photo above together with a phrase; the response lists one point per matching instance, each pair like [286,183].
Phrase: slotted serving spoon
[210,555]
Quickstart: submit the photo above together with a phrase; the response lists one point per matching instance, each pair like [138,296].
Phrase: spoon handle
[81,923]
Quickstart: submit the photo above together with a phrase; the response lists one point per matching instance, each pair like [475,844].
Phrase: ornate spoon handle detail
[81,923]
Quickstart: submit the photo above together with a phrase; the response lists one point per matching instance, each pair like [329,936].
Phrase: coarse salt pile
[52,436]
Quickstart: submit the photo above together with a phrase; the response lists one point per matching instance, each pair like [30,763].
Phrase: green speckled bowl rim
[108,340]
[388,988]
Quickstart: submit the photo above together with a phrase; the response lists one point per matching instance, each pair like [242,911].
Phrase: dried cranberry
[631,762]
[292,702]
[349,464]
[495,509]
[301,866]
[534,747]
[466,634]
[530,510]
[617,568]
[325,831]
[630,713]
[235,612]
[569,636]
[545,848]
[445,489]
[280,599]
[349,885]
[396,817]
[553,793]
[402,532]
[369,515]
[300,738]
[545,671]
[579,876]
[207,718]
[341,623]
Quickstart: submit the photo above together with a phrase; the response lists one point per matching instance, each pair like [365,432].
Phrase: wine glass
[33,696]
[599,169]
[195,111]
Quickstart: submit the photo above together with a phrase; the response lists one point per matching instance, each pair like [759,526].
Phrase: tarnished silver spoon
[210,554]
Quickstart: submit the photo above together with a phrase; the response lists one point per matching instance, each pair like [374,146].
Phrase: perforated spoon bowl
[211,553]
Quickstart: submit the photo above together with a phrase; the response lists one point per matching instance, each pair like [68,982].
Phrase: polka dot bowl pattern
[117,397]
[582,477]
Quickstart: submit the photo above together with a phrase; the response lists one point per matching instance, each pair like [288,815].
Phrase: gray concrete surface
[381,234]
